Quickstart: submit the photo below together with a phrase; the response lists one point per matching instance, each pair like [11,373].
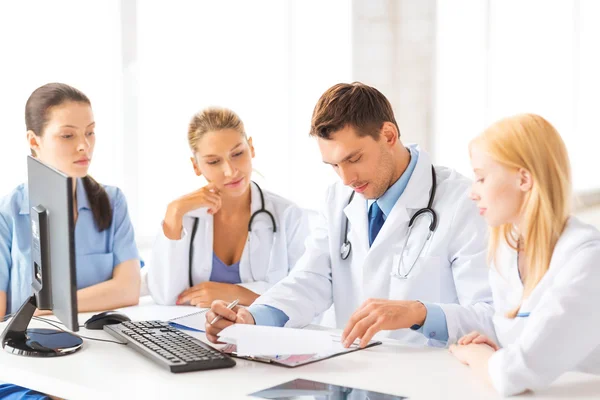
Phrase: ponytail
[99,203]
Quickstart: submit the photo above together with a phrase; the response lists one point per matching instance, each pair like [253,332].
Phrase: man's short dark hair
[351,104]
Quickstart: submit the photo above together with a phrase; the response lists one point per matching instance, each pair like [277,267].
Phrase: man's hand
[237,315]
[376,315]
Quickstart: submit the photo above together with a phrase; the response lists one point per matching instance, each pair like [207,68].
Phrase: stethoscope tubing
[346,247]
[254,214]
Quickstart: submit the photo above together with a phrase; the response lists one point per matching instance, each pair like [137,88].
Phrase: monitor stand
[17,339]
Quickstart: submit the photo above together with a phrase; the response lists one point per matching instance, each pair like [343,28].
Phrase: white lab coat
[451,270]
[266,259]
[561,332]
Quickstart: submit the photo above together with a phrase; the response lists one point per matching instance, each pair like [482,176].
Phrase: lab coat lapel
[414,197]
[262,227]
[416,194]
[377,265]
[393,230]
[358,224]
[203,243]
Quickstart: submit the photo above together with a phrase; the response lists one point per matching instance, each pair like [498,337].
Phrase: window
[147,68]
[269,61]
[65,41]
[500,58]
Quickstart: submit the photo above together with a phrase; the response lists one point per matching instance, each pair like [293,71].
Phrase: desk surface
[106,370]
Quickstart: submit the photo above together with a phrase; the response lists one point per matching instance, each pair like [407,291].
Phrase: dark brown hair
[37,114]
[355,104]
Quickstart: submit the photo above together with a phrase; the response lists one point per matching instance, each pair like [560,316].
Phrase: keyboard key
[178,351]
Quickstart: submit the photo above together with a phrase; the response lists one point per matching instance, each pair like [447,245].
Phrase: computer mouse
[105,318]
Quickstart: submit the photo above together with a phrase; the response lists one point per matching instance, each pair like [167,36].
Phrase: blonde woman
[544,274]
[230,239]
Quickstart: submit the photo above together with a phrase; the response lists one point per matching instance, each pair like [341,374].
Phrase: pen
[229,307]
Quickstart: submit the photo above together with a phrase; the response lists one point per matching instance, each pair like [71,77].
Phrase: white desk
[105,370]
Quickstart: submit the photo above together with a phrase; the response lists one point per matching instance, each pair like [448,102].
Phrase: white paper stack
[253,340]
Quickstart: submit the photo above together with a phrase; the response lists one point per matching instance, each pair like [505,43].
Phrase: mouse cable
[9,316]
[56,322]
[49,322]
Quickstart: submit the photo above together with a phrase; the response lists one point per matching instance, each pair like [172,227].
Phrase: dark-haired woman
[61,133]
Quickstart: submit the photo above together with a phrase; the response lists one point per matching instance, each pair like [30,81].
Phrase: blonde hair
[530,142]
[212,119]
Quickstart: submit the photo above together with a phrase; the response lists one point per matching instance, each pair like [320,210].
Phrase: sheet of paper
[252,340]
[196,320]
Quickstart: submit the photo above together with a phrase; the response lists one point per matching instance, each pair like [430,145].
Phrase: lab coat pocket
[421,283]
[94,268]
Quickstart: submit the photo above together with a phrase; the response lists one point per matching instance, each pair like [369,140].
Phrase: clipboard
[297,360]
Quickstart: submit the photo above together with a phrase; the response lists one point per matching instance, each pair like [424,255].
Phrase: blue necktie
[375,222]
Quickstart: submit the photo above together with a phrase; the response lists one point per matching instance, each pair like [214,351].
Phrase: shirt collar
[24,206]
[387,201]
[82,197]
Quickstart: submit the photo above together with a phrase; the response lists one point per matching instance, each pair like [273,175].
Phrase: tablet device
[306,389]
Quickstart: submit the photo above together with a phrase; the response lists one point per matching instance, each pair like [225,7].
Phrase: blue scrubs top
[96,253]
[224,273]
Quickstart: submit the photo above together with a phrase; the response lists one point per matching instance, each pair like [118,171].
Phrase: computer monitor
[53,266]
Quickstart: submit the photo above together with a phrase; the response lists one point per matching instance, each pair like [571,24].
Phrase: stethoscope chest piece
[345,250]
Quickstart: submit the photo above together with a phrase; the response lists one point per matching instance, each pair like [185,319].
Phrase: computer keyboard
[169,347]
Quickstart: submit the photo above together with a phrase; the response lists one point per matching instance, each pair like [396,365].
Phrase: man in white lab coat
[426,287]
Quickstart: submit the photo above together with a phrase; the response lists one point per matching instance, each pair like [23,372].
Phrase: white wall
[269,61]
[60,41]
[148,68]
[449,67]
[497,58]
[393,44]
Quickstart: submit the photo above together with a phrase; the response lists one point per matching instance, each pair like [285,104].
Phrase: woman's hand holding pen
[236,315]
[207,196]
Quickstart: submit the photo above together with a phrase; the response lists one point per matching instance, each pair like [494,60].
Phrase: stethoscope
[346,247]
[261,210]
